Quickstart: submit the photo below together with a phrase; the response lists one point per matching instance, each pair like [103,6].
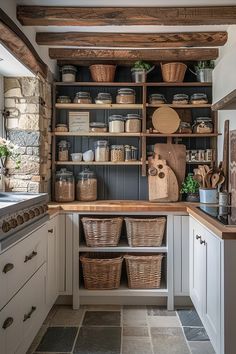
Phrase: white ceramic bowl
[77,156]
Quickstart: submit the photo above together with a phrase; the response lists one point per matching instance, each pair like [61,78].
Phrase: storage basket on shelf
[145,232]
[144,271]
[102,72]
[173,72]
[102,232]
[101,270]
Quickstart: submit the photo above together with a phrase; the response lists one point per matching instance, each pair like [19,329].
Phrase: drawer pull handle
[8,267]
[198,237]
[203,242]
[7,323]
[28,315]
[30,256]
[50,230]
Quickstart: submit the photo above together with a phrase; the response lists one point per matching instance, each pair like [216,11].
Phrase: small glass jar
[180,98]
[68,73]
[63,99]
[61,128]
[185,128]
[133,123]
[203,125]
[199,98]
[117,153]
[157,98]
[125,96]
[134,153]
[103,98]
[97,127]
[116,124]
[128,155]
[86,186]
[64,186]
[101,151]
[63,150]
[82,98]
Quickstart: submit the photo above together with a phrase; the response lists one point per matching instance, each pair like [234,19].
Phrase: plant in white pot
[140,70]
[8,150]
[204,70]
[190,187]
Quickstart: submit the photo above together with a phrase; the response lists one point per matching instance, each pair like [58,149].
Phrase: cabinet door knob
[198,237]
[203,242]
[8,267]
[50,230]
[28,315]
[7,323]
[30,256]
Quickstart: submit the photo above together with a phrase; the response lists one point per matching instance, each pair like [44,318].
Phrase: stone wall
[28,102]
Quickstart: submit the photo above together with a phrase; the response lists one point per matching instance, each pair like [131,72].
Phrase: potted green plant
[190,187]
[8,150]
[204,70]
[140,70]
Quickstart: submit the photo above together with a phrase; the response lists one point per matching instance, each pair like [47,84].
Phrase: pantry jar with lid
[61,128]
[199,98]
[64,186]
[203,125]
[63,99]
[82,97]
[117,153]
[97,127]
[157,98]
[63,150]
[132,123]
[116,124]
[68,73]
[103,98]
[101,151]
[86,186]
[125,96]
[185,128]
[180,98]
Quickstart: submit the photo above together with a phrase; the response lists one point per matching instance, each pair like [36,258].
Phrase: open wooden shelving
[144,84]
[99,163]
[97,106]
[179,106]
[97,134]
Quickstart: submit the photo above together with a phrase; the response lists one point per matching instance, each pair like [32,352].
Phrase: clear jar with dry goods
[82,98]
[61,128]
[116,124]
[185,128]
[68,73]
[199,98]
[133,123]
[157,98]
[125,96]
[97,127]
[64,186]
[203,125]
[101,151]
[63,150]
[180,98]
[103,98]
[117,153]
[86,186]
[63,99]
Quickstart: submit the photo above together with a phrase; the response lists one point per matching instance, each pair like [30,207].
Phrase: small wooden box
[79,122]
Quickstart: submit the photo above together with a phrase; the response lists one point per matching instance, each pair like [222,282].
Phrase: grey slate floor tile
[159,311]
[189,318]
[101,318]
[58,339]
[169,341]
[98,340]
[136,346]
[201,348]
[135,332]
[195,334]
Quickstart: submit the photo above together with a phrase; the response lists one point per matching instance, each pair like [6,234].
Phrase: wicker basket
[102,232]
[144,272]
[101,271]
[102,72]
[173,72]
[145,232]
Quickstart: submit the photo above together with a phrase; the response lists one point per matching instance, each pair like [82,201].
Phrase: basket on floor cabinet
[101,271]
[102,232]
[144,271]
[145,232]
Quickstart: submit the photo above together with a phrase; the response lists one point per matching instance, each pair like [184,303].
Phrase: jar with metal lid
[133,123]
[203,125]
[98,127]
[61,128]
[157,98]
[82,97]
[86,186]
[117,153]
[101,151]
[116,124]
[180,98]
[68,73]
[199,98]
[63,150]
[134,153]
[63,99]
[103,98]
[64,186]
[128,155]
[125,96]
[185,128]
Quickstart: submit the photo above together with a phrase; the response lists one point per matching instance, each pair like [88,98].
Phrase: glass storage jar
[199,98]
[64,186]
[82,97]
[185,128]
[63,150]
[86,186]
[125,96]
[97,127]
[101,151]
[61,128]
[203,125]
[63,99]
[157,98]
[180,98]
[117,153]
[103,98]
[116,124]
[128,155]
[68,73]
[132,123]
[134,153]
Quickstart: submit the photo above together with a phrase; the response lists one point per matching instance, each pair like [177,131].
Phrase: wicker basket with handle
[102,72]
[145,232]
[101,270]
[144,271]
[173,72]
[102,232]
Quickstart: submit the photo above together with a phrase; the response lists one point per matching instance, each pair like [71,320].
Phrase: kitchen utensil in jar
[165,120]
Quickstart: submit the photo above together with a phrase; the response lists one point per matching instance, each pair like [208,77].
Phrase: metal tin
[209,195]
[223,198]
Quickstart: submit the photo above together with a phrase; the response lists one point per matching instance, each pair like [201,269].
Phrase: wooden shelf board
[179,84]
[226,103]
[147,84]
[176,135]
[97,134]
[107,163]
[122,247]
[97,106]
[180,106]
[199,162]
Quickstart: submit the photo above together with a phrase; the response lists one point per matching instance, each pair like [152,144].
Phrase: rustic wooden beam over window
[120,16]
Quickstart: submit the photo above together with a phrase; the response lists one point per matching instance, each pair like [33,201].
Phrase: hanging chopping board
[225,163]
[165,120]
[175,156]
[162,182]
[233,172]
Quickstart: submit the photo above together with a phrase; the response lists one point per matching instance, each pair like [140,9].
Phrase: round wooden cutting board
[165,120]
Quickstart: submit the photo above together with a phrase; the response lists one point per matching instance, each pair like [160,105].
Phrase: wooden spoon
[198,178]
[215,179]
[221,180]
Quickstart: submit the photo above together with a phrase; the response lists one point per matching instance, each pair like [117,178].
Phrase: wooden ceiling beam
[189,54]
[132,40]
[120,16]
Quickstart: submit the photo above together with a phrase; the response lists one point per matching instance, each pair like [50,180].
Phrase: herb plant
[142,65]
[190,185]
[205,64]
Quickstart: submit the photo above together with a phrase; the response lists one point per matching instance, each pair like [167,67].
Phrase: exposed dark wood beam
[105,16]
[132,40]
[133,55]
[226,103]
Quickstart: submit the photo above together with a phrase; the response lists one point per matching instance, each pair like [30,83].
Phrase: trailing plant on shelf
[190,187]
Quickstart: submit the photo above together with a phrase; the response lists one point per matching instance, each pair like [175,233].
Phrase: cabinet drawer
[22,317]
[20,262]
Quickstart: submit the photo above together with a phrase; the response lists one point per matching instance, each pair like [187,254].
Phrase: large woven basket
[145,232]
[144,272]
[102,232]
[173,72]
[102,72]
[101,271]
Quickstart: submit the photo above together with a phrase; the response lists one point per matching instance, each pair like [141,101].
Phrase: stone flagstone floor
[121,330]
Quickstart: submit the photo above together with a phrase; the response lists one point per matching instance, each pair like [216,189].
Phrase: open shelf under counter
[99,163]
[98,106]
[180,106]
[97,134]
[123,247]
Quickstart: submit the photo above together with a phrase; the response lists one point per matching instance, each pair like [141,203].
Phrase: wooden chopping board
[233,171]
[225,163]
[175,156]
[165,120]
[162,182]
